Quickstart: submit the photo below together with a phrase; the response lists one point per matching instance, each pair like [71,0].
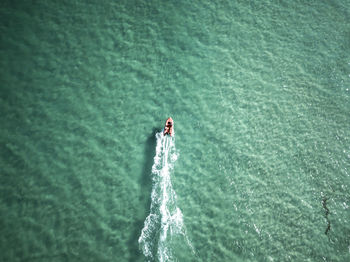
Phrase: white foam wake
[165,220]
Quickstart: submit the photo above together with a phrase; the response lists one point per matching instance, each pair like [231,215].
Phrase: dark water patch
[146,187]
[46,257]
[324,204]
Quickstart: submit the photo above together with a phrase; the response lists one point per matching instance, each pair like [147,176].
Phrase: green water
[260,95]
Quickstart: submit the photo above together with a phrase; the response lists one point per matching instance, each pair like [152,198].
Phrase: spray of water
[164,224]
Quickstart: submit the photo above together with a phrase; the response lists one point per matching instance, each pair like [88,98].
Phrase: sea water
[259,94]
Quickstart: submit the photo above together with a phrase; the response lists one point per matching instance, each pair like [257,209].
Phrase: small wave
[165,220]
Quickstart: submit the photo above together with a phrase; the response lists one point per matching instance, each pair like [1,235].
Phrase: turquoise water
[258,90]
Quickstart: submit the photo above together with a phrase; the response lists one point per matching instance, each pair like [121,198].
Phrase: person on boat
[168,129]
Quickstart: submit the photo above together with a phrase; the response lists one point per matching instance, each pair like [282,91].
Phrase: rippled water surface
[258,90]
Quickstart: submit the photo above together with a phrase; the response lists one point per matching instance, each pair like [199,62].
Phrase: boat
[169,127]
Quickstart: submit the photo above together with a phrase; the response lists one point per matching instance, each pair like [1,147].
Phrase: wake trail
[164,225]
